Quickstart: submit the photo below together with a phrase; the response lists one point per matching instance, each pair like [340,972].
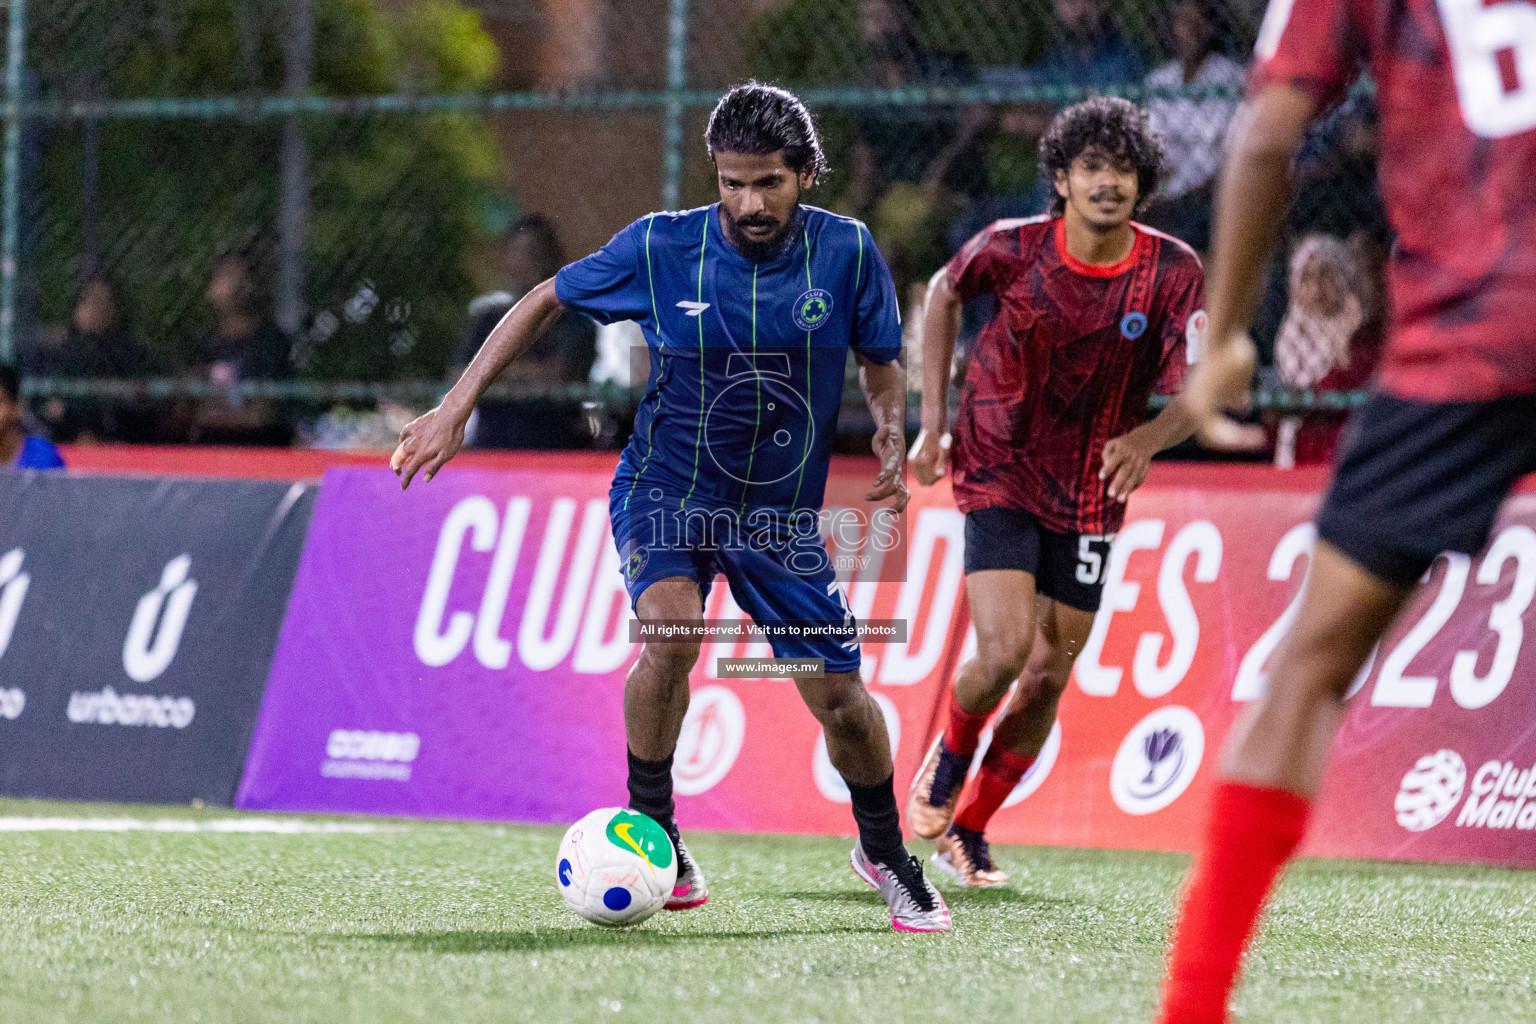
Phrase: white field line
[226,825]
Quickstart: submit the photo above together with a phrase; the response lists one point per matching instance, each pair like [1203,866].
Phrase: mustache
[757,220]
[1107,193]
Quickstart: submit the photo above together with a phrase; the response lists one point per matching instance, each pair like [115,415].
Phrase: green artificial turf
[451,922]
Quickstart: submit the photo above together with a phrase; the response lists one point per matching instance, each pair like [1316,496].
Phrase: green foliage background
[395,197]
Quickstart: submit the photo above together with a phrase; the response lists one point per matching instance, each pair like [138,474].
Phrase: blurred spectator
[18,449]
[1328,341]
[245,345]
[1335,193]
[564,354]
[914,166]
[1191,102]
[97,344]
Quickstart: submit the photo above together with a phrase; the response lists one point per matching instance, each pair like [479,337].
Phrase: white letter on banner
[599,650]
[1395,690]
[1506,619]
[475,516]
[911,662]
[537,653]
[490,649]
[148,651]
[1251,675]
[1199,538]
[13,591]
[1119,596]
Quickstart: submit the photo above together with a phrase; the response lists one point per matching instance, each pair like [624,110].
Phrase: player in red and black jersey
[1451,423]
[1095,312]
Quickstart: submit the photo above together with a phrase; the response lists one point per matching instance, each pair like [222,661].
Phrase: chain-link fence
[339,176]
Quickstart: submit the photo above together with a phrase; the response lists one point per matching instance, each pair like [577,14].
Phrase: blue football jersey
[747,359]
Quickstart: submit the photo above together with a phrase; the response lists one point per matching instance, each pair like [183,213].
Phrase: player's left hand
[891,448]
[1126,461]
[426,445]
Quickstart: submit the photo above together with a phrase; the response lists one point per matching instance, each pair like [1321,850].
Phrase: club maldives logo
[812,309]
[1502,795]
[1430,790]
[1157,760]
[711,739]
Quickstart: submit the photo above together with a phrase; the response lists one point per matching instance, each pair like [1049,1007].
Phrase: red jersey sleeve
[1311,45]
[983,265]
[1183,328]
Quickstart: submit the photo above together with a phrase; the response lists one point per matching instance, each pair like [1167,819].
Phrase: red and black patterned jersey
[1456,85]
[1069,361]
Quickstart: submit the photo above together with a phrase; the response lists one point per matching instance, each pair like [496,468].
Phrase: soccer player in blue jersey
[749,307]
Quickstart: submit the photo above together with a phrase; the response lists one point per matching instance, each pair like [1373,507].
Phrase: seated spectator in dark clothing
[563,354]
[98,344]
[244,345]
[18,449]
[1190,103]
[914,167]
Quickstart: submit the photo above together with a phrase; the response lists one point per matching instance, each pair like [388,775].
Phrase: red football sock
[1251,833]
[962,733]
[1001,770]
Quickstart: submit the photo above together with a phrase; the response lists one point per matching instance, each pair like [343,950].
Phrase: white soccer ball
[615,867]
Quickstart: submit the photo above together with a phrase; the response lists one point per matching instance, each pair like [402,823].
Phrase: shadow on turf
[556,938]
[957,897]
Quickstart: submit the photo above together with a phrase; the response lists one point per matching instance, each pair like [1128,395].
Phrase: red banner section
[483,624]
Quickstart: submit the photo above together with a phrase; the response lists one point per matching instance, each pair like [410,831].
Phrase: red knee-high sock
[962,731]
[1001,770]
[1251,834]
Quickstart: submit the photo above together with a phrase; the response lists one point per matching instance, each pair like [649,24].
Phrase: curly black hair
[757,118]
[1113,125]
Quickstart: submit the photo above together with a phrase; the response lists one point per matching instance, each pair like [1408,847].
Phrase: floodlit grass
[449,922]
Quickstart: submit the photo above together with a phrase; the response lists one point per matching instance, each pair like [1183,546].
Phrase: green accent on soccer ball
[639,834]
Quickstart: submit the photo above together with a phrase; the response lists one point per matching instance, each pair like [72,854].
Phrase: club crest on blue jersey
[812,309]
[1132,325]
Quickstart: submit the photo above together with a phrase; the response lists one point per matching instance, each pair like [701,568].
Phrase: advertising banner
[137,624]
[460,650]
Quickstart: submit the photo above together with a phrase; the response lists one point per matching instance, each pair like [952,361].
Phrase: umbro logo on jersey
[693,308]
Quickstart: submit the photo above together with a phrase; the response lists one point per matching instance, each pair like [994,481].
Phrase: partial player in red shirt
[1428,460]
[1095,311]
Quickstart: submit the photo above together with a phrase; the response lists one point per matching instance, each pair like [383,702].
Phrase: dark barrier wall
[137,623]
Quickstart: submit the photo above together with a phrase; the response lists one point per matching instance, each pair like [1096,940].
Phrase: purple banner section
[397,688]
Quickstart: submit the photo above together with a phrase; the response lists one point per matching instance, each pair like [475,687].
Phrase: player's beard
[769,248]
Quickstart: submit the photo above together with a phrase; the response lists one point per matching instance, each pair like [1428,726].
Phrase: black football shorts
[1067,567]
[1418,478]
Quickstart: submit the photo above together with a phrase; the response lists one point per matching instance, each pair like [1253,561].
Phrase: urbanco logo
[1157,760]
[108,707]
[13,591]
[1430,790]
[153,638]
[710,741]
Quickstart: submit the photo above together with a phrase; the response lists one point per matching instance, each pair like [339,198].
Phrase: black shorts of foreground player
[1094,312]
[749,307]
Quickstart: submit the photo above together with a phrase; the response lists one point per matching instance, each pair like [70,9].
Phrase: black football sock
[874,808]
[650,789]
[948,776]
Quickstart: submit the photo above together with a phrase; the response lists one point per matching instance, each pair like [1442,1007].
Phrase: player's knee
[1040,684]
[671,661]
[1001,657]
[846,711]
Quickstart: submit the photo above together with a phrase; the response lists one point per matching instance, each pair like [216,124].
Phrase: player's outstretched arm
[431,439]
[885,389]
[941,324]
[1250,205]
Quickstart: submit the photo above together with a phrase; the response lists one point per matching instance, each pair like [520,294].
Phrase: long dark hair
[756,118]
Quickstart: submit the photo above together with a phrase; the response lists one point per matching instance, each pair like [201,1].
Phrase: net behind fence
[344,173]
